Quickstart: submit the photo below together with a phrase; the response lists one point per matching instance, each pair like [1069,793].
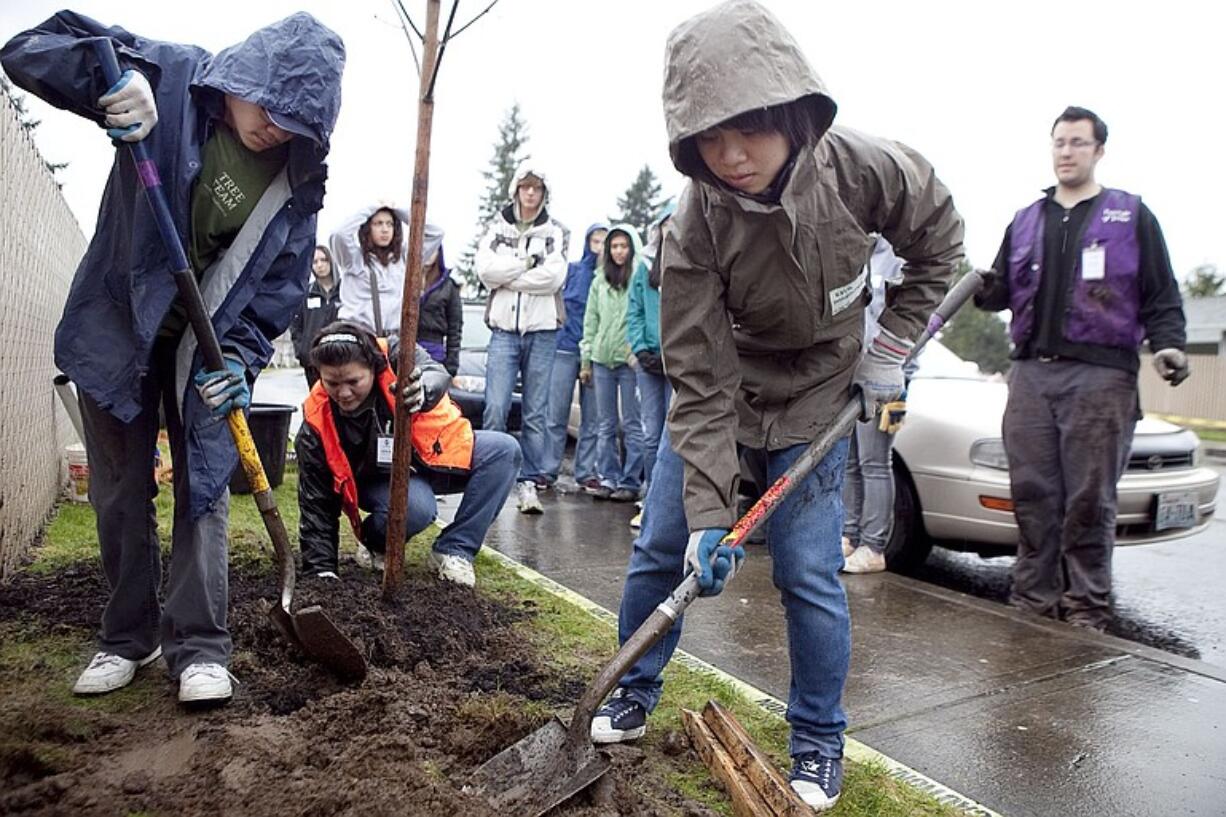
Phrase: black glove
[650,361]
[992,281]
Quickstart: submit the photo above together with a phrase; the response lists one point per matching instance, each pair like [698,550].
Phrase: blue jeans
[561,392]
[531,354]
[868,491]
[654,394]
[805,554]
[496,461]
[615,471]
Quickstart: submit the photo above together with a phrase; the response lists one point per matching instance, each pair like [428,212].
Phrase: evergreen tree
[641,202]
[29,124]
[1203,282]
[974,334]
[508,155]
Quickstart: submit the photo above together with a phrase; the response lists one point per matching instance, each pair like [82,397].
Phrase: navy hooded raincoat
[123,287]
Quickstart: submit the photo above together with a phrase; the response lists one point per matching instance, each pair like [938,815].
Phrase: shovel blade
[535,774]
[284,623]
[324,643]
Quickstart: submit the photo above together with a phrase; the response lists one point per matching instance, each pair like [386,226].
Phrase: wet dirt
[451,683]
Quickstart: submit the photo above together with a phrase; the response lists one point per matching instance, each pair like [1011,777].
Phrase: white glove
[131,111]
[1171,365]
[879,375]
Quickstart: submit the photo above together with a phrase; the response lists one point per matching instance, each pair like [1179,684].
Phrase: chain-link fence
[40,245]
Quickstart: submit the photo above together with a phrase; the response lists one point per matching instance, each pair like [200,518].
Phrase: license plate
[1175,510]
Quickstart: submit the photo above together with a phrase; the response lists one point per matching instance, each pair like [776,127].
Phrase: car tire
[909,545]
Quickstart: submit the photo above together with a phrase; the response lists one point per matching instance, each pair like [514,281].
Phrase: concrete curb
[853,749]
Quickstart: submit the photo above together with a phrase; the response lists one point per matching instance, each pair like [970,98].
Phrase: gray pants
[191,626]
[1068,430]
[868,487]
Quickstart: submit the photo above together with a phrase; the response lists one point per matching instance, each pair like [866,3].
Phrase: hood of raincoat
[636,242]
[291,67]
[523,171]
[589,259]
[735,58]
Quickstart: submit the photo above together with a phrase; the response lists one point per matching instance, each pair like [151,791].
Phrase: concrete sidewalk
[1027,716]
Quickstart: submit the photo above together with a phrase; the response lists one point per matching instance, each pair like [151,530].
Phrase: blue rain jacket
[574,292]
[123,287]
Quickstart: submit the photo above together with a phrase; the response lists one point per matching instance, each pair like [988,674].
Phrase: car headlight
[990,454]
[469,383]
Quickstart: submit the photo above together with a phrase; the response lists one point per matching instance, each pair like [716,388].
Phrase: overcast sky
[974,86]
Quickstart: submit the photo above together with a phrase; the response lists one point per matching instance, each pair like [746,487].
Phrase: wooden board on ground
[745,801]
[753,763]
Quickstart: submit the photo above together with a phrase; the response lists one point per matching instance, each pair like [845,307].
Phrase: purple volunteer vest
[1106,311]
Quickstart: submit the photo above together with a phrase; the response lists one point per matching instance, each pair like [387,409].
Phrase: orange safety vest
[441,438]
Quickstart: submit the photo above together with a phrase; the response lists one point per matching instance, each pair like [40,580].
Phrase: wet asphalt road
[1168,596]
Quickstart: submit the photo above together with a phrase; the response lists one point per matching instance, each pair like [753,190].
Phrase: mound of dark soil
[450,685]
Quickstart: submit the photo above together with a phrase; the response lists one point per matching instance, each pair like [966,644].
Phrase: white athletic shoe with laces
[453,568]
[848,548]
[108,672]
[528,502]
[205,682]
[864,560]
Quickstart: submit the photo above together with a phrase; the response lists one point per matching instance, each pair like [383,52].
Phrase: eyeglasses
[1075,144]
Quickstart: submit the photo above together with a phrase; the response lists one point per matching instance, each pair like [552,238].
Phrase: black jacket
[318,310]
[441,321]
[319,506]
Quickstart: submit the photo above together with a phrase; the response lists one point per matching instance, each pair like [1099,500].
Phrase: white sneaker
[108,672]
[848,548]
[528,503]
[636,521]
[453,568]
[205,682]
[368,559]
[327,574]
[864,560]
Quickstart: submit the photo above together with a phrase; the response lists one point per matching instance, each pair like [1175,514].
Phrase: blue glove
[702,545]
[226,390]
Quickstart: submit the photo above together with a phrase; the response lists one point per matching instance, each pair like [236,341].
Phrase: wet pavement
[1027,716]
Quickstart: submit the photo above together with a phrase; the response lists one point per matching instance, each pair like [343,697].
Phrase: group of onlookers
[594,322]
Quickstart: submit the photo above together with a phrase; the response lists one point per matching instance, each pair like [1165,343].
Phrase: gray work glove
[413,393]
[879,376]
[1172,365]
[130,110]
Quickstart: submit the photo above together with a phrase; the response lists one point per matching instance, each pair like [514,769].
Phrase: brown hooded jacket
[762,303]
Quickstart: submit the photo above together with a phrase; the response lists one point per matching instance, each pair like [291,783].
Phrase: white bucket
[78,472]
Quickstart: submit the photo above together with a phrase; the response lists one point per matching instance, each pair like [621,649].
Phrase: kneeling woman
[345,455]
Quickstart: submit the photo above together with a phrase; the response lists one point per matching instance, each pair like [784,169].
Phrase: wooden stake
[756,767]
[402,457]
[746,802]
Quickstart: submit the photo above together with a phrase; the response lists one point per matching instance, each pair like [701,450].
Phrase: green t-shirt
[232,179]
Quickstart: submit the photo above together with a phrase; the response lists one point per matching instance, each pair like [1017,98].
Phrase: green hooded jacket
[604,323]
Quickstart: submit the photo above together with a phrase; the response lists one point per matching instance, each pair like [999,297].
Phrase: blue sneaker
[818,780]
[620,719]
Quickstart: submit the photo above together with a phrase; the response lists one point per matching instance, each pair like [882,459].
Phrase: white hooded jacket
[525,294]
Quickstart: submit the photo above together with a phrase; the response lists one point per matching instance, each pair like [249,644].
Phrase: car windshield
[475,335]
[936,361]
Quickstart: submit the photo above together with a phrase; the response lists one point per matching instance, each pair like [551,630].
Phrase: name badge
[314,303]
[1093,263]
[383,451]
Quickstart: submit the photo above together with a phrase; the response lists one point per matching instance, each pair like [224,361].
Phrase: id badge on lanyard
[1094,263]
[384,449]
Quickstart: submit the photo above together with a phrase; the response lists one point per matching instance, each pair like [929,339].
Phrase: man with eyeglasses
[1085,272]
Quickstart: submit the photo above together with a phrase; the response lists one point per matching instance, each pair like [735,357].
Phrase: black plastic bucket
[269,423]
